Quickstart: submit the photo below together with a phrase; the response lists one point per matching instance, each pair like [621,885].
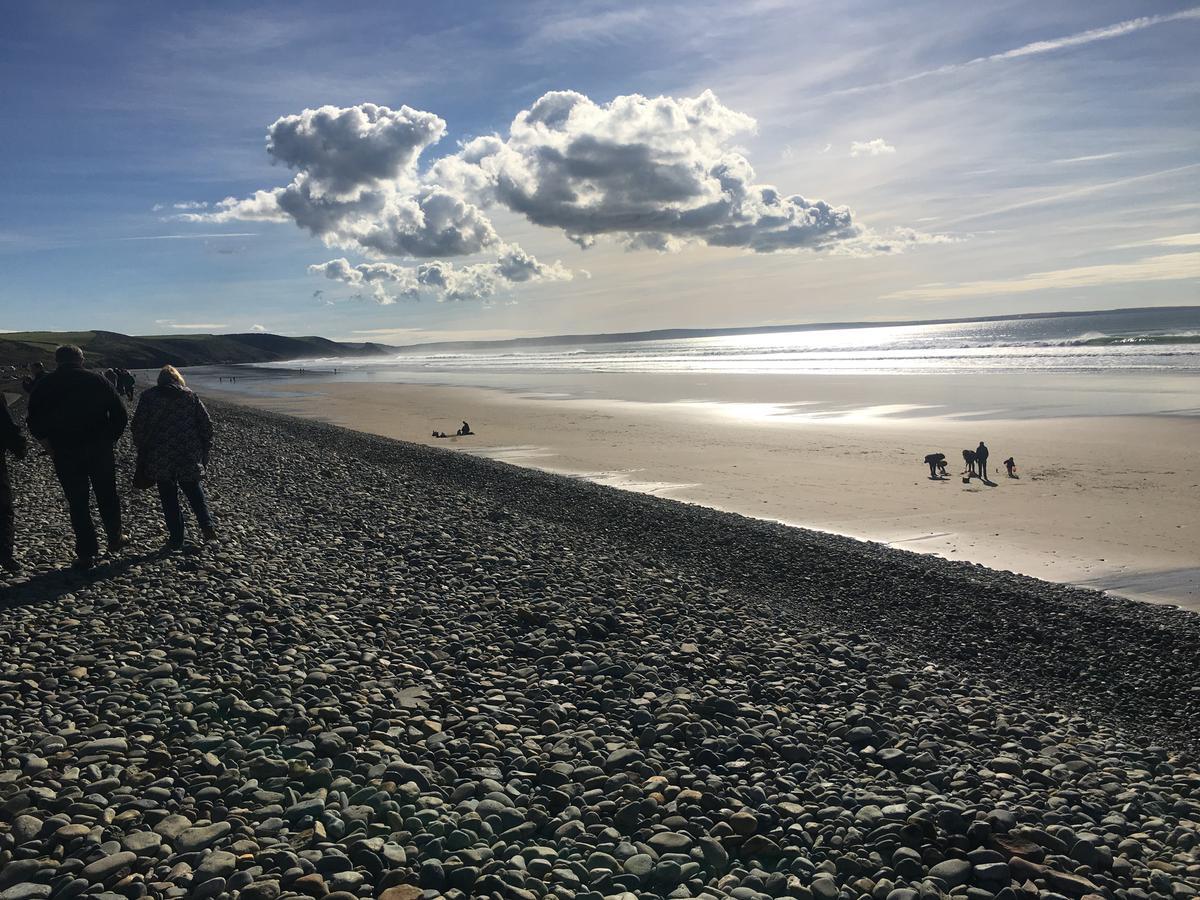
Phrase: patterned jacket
[173,433]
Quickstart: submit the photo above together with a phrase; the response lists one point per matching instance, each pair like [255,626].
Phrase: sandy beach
[1106,502]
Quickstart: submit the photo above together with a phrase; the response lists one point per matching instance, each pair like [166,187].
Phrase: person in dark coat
[981,457]
[173,434]
[969,460]
[937,465]
[36,373]
[12,440]
[125,383]
[78,416]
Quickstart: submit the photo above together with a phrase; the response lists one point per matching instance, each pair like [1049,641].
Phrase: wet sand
[1107,502]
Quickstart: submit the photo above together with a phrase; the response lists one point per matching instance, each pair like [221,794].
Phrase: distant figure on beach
[173,433]
[11,440]
[37,372]
[937,465]
[1011,466]
[125,383]
[969,460]
[981,458]
[465,430]
[78,416]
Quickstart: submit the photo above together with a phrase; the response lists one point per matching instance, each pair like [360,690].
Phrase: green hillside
[108,348]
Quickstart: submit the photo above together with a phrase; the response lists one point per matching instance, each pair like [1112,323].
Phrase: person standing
[36,373]
[173,434]
[981,458]
[12,440]
[78,416]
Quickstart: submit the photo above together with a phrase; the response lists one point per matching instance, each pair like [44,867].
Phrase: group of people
[464,431]
[122,381]
[975,461]
[77,415]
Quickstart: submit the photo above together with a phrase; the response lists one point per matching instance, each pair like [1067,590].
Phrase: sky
[405,172]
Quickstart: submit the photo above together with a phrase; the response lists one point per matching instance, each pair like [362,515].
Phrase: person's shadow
[52,585]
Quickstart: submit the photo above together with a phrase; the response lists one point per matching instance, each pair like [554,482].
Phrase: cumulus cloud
[877,147]
[388,282]
[655,174]
[652,172]
[259,328]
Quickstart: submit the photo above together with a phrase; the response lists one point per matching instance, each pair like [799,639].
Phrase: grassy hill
[108,348]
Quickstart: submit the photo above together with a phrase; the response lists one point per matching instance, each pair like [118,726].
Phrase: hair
[169,375]
[68,353]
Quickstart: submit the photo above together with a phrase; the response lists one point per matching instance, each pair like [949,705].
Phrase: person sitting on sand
[937,465]
[981,458]
[465,430]
[12,440]
[1011,466]
[969,459]
[173,433]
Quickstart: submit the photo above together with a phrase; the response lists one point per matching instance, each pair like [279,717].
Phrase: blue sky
[975,158]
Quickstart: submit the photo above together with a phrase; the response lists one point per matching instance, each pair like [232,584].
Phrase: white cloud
[258,328]
[649,173]
[1172,267]
[631,168]
[876,147]
[388,282]
[1035,48]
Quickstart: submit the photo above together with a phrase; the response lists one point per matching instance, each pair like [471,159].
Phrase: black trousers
[7,515]
[83,470]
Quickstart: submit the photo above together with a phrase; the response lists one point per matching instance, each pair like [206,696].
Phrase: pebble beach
[404,672]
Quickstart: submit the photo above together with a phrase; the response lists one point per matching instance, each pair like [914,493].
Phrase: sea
[1122,362]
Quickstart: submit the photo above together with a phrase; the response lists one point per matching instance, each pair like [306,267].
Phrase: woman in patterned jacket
[173,434]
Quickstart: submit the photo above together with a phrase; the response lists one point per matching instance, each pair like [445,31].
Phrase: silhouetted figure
[173,434]
[937,465]
[981,458]
[125,383]
[465,430]
[36,373]
[77,414]
[1010,466]
[11,440]
[969,460]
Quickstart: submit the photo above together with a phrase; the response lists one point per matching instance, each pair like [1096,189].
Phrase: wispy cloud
[171,323]
[1082,191]
[1175,240]
[1171,267]
[188,237]
[1108,32]
[1092,158]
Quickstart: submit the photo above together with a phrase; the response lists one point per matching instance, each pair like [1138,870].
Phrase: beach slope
[410,673]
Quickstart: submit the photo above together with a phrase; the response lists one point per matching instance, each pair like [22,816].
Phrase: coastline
[1068,518]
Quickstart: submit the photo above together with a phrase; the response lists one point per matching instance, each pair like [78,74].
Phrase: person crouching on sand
[173,434]
[937,465]
[1010,466]
[11,439]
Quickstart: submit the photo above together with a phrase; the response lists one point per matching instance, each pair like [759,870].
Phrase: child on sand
[1011,466]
